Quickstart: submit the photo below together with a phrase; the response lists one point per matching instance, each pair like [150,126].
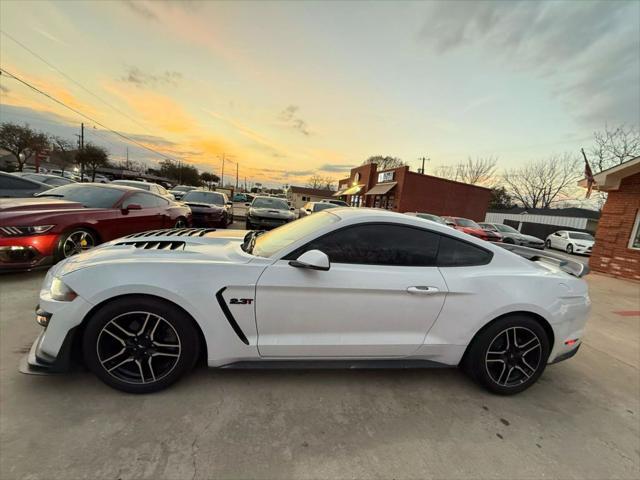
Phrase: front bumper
[26,253]
[263,223]
[37,362]
[582,250]
[208,220]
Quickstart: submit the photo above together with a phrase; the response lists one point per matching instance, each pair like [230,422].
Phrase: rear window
[204,197]
[456,253]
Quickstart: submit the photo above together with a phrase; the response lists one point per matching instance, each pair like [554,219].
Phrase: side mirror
[230,203]
[313,260]
[132,206]
[247,204]
[292,209]
[451,224]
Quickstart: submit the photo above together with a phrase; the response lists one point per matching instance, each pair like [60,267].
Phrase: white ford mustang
[340,288]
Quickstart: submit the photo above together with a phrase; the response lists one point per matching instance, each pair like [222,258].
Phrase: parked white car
[571,242]
[345,287]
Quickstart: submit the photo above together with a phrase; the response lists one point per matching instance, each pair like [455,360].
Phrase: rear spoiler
[572,267]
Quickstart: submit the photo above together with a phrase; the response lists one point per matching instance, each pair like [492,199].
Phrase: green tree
[500,199]
[22,142]
[180,173]
[209,179]
[92,157]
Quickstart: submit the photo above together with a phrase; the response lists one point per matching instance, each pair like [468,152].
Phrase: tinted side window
[377,244]
[142,199]
[11,182]
[456,253]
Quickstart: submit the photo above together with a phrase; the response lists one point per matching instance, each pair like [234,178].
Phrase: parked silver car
[312,207]
[511,235]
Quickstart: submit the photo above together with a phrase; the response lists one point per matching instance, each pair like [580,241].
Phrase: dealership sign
[385,176]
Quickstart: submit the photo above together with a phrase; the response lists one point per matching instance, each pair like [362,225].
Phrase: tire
[569,248]
[548,244]
[509,241]
[499,367]
[180,223]
[249,226]
[120,344]
[73,242]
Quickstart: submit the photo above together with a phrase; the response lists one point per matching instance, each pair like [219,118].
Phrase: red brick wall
[611,253]
[424,193]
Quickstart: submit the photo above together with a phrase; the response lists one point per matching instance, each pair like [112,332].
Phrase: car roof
[133,181]
[124,188]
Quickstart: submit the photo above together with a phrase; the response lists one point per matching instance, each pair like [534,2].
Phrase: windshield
[465,222]
[275,240]
[204,197]
[133,184]
[88,195]
[433,218]
[580,236]
[183,189]
[506,228]
[270,202]
[323,206]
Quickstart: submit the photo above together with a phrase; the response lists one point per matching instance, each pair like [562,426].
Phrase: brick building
[401,190]
[617,248]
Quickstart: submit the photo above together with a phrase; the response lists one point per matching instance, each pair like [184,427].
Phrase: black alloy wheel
[140,344]
[509,355]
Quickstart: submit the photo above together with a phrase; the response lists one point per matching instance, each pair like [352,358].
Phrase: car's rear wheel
[569,248]
[547,244]
[508,356]
[140,344]
[75,241]
[180,223]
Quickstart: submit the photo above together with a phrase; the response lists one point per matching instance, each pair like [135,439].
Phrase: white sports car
[341,288]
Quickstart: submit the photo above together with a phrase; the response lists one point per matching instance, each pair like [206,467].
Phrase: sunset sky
[291,89]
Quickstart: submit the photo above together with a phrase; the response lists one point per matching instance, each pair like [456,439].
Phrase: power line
[72,80]
[77,112]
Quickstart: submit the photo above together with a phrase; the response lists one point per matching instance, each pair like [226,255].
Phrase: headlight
[580,245]
[23,231]
[61,292]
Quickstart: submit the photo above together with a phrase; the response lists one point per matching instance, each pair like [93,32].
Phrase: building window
[634,241]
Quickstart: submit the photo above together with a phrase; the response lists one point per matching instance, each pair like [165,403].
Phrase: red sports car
[65,220]
[472,228]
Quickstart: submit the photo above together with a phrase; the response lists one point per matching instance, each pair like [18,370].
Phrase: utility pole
[127,159]
[424,159]
[236,176]
[180,171]
[222,173]
[81,149]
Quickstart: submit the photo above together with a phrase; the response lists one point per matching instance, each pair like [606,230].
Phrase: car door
[150,216]
[379,297]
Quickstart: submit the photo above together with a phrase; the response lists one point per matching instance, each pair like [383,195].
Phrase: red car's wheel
[73,242]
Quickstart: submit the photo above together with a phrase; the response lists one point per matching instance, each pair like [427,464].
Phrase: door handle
[423,290]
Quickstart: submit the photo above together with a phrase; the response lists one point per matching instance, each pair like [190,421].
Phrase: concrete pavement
[582,420]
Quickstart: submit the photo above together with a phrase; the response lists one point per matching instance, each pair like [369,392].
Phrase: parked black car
[210,209]
[13,186]
[268,212]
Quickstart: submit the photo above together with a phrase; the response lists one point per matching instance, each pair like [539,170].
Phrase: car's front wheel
[140,344]
[508,356]
[569,248]
[75,241]
[547,244]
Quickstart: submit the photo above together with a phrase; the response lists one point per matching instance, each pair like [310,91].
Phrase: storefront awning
[349,191]
[381,188]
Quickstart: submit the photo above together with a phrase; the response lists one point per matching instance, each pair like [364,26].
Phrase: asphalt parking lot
[582,420]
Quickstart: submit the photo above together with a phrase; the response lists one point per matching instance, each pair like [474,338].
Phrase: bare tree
[541,183]
[478,171]
[22,142]
[62,149]
[614,146]
[385,162]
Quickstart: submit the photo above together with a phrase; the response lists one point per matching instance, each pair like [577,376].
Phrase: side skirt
[333,364]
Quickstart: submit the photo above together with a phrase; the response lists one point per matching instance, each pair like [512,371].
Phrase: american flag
[588,174]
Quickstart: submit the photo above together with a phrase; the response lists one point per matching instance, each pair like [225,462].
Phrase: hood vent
[174,232]
[156,245]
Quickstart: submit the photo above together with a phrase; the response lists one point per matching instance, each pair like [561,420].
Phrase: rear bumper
[565,355]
